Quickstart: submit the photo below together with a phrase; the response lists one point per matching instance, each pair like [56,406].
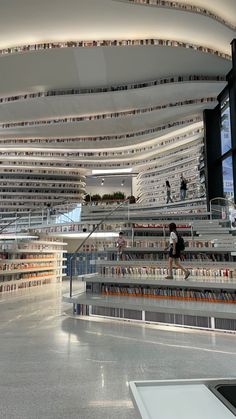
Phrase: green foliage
[96,197]
[106,197]
[118,195]
[113,197]
[87,198]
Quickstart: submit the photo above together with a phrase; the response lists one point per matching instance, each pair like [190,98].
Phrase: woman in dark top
[175,253]
[168,192]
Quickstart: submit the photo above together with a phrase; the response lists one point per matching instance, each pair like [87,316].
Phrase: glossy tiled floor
[54,366]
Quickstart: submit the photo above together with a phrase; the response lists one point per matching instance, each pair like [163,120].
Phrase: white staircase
[212,230]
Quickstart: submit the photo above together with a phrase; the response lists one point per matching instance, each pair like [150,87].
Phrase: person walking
[175,252]
[183,187]
[168,192]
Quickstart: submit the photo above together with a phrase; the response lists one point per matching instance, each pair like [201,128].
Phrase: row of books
[26,276]
[160,225]
[17,247]
[9,256]
[36,275]
[24,266]
[13,287]
[108,43]
[153,271]
[38,170]
[181,294]
[164,256]
[161,244]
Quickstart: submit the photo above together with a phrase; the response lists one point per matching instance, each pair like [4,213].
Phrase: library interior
[118,209]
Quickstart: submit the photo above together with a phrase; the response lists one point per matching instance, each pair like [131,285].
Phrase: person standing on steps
[175,253]
[168,192]
[183,187]
[121,245]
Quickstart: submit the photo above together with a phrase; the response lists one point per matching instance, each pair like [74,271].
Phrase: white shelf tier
[48,242]
[161,237]
[192,308]
[160,282]
[20,281]
[19,251]
[7,261]
[159,228]
[160,250]
[156,216]
[163,263]
[21,271]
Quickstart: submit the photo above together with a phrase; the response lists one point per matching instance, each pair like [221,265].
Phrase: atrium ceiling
[103,84]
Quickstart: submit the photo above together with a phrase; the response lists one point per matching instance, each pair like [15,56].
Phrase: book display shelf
[133,286]
[186,161]
[29,262]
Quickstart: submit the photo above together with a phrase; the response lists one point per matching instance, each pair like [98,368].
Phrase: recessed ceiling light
[107,172]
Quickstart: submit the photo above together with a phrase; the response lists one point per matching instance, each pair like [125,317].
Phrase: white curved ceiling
[101,67]
[21,23]
[107,127]
[46,108]
[224,9]
[198,42]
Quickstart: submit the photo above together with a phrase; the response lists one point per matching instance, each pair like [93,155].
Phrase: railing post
[164,231]
[192,232]
[211,210]
[132,237]
[71,274]
[228,203]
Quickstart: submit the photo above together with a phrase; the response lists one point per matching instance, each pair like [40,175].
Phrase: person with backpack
[175,247]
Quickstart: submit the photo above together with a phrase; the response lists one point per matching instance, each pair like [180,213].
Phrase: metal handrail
[15,220]
[107,216]
[229,203]
[32,211]
[223,199]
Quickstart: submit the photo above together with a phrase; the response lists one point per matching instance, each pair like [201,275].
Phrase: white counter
[177,399]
